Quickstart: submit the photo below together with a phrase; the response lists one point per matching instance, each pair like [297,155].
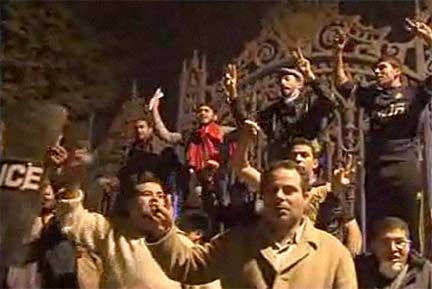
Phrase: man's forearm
[183,262]
[340,75]
[241,164]
[238,110]
[163,132]
[240,156]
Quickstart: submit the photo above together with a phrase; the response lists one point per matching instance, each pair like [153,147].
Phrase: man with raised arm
[203,144]
[203,152]
[294,113]
[328,209]
[117,240]
[282,250]
[393,176]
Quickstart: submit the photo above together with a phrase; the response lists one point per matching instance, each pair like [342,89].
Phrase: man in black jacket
[392,264]
[141,157]
[295,113]
[393,175]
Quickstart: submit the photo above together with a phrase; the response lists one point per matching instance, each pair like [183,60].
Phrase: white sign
[157,95]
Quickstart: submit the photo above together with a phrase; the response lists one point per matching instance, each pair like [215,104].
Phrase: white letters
[14,176]
[392,110]
[32,178]
[18,175]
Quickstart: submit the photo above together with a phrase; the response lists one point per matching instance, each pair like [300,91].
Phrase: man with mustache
[393,176]
[282,250]
[204,154]
[118,240]
[329,208]
[392,264]
[141,154]
[203,144]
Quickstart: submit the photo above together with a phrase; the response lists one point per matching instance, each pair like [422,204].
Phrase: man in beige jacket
[283,250]
[118,241]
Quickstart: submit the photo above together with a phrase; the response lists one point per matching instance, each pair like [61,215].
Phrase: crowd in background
[216,221]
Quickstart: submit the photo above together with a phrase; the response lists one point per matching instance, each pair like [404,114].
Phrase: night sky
[151,39]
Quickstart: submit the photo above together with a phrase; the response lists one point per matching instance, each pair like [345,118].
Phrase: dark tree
[49,54]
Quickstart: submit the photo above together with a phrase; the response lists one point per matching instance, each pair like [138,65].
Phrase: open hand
[342,175]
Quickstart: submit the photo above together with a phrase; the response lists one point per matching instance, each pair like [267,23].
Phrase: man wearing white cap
[294,113]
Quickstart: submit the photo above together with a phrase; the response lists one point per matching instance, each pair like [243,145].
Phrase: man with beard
[203,144]
[282,250]
[392,264]
[328,209]
[294,113]
[203,153]
[393,176]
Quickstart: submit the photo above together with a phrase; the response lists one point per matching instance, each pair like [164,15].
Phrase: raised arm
[236,104]
[422,30]
[161,130]
[323,92]
[240,160]
[194,265]
[85,228]
[339,43]
[344,188]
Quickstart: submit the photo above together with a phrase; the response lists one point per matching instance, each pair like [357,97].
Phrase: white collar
[294,95]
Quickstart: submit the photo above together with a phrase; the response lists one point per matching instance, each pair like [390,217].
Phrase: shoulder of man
[327,241]
[418,261]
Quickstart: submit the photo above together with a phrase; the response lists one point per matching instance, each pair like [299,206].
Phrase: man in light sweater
[119,242]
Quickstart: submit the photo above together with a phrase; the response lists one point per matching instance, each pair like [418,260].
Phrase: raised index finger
[299,52]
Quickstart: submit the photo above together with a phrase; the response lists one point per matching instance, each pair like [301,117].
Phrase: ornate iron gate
[344,135]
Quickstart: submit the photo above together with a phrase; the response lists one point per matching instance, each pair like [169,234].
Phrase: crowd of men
[159,222]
